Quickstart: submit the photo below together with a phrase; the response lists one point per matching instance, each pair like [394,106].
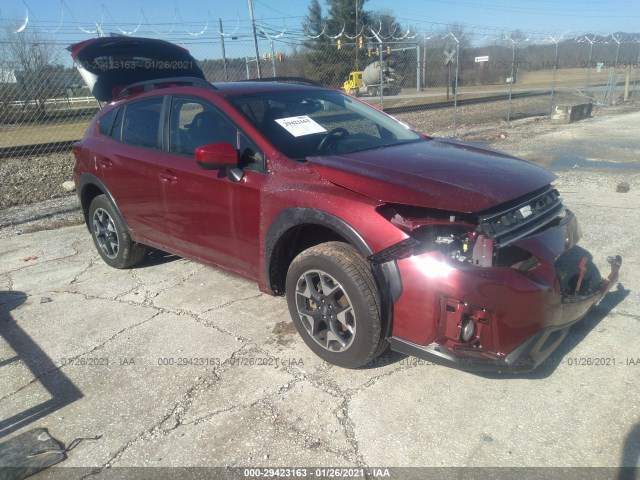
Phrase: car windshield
[309,123]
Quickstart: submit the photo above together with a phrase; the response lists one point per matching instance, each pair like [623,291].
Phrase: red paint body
[173,204]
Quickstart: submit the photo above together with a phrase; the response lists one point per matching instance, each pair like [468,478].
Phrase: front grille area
[523,217]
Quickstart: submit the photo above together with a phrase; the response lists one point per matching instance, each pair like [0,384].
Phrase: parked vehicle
[367,82]
[375,233]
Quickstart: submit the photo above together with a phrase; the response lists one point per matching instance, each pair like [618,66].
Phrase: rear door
[126,162]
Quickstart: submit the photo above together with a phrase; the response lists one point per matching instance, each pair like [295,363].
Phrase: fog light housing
[468,330]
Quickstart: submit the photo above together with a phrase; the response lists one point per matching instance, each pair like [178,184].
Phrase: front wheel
[335,305]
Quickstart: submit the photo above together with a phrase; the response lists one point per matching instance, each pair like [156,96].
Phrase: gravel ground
[487,122]
[45,215]
[34,179]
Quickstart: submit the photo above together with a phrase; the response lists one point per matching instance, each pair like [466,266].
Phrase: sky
[67,17]
[195,23]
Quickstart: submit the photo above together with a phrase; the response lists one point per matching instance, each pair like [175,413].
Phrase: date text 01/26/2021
[318,472]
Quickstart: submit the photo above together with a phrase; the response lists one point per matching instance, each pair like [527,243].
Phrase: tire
[111,236]
[335,304]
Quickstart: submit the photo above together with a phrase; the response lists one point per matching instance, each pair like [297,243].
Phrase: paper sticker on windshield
[299,126]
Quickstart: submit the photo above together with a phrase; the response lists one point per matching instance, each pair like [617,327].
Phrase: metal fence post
[635,77]
[586,88]
[418,68]
[455,94]
[513,62]
[381,79]
[555,73]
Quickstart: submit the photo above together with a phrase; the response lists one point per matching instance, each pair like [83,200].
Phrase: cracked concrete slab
[322,420]
[26,250]
[239,382]
[101,281]
[207,289]
[74,325]
[139,382]
[251,435]
[500,420]
[265,321]
[39,278]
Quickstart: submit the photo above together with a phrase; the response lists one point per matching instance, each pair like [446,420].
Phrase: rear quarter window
[141,122]
[106,122]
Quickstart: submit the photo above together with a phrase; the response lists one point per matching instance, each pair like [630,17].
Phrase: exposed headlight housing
[458,237]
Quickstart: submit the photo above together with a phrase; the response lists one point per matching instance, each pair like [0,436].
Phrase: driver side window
[194,123]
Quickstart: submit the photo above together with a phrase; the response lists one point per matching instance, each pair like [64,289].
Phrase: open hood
[109,64]
[438,174]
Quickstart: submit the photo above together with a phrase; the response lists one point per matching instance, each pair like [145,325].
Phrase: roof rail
[153,84]
[300,80]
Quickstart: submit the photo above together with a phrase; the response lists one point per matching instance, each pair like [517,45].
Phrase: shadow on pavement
[630,461]
[155,257]
[62,391]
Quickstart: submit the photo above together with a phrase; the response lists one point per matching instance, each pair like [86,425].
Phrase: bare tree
[34,58]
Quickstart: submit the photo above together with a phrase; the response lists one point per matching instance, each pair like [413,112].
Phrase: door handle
[168,178]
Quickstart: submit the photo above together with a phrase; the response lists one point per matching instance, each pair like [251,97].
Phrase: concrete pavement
[177,364]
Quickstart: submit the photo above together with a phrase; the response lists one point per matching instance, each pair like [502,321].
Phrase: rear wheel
[335,304]
[111,235]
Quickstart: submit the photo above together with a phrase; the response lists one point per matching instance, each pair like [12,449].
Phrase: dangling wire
[406,35]
[104,7]
[339,35]
[234,32]
[193,34]
[395,27]
[59,24]
[98,29]
[306,32]
[375,35]
[21,28]
[162,34]
[357,34]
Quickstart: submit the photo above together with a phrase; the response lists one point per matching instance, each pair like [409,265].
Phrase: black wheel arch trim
[87,179]
[387,275]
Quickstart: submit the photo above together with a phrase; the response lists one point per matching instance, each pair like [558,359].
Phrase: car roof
[264,86]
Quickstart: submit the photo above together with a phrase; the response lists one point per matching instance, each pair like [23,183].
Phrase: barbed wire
[66,26]
[178,27]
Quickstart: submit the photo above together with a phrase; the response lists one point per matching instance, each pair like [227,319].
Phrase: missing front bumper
[530,354]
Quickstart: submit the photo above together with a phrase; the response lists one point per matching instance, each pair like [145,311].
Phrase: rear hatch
[109,64]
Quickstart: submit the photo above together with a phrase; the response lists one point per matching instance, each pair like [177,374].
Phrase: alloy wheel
[325,310]
[105,233]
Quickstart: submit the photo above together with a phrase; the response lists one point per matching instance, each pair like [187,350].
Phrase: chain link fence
[443,83]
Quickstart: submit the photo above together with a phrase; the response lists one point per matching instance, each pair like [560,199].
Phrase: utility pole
[255,38]
[357,35]
[418,67]
[224,55]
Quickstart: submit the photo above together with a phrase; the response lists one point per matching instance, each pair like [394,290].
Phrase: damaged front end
[494,290]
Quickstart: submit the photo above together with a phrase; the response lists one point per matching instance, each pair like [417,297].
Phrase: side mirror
[217,156]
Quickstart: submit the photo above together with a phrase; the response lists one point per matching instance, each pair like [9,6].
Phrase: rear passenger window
[141,122]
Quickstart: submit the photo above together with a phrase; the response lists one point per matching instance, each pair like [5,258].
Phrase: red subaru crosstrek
[375,233]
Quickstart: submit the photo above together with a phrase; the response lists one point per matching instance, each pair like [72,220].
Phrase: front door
[207,214]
